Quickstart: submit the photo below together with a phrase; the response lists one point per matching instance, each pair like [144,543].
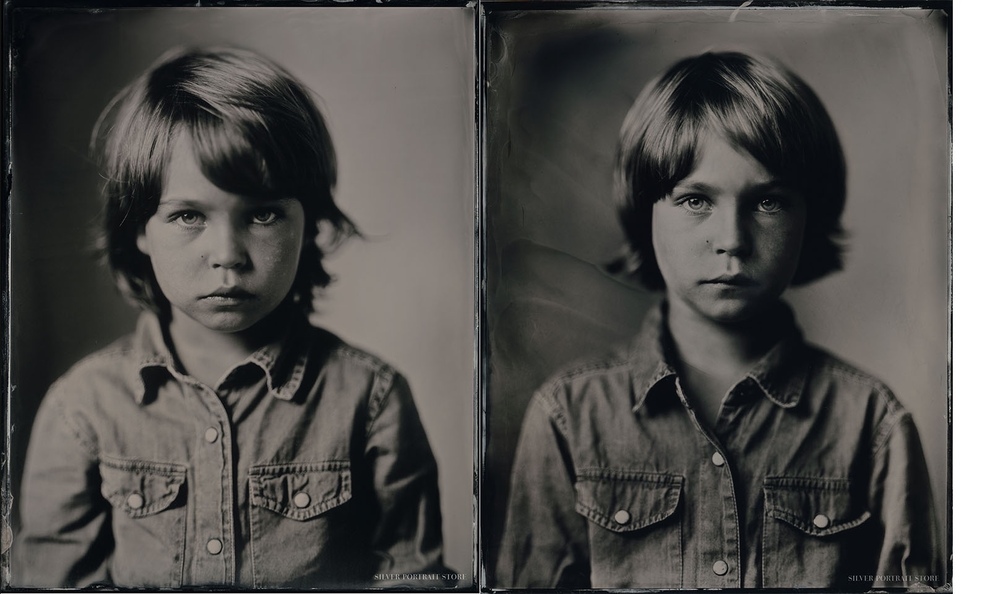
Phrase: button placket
[214,491]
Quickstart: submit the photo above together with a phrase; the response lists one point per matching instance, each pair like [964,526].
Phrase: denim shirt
[306,467]
[812,476]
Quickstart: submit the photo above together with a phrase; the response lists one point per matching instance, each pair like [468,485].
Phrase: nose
[731,235]
[226,247]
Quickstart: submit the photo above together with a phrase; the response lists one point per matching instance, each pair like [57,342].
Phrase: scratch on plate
[735,13]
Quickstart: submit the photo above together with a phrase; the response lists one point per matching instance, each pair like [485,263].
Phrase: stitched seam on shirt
[590,368]
[553,409]
[840,367]
[886,428]
[72,424]
[547,395]
[382,385]
[370,362]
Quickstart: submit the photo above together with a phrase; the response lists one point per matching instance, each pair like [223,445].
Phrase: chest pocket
[635,528]
[148,501]
[299,523]
[811,532]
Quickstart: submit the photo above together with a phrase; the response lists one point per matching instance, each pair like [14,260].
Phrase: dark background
[398,86]
[559,85]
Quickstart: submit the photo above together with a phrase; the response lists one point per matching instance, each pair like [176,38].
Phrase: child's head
[252,131]
[757,108]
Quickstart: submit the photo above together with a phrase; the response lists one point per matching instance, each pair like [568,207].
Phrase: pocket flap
[300,491]
[815,506]
[627,501]
[140,488]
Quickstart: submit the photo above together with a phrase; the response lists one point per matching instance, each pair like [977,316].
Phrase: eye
[188,218]
[695,203]
[265,216]
[770,204]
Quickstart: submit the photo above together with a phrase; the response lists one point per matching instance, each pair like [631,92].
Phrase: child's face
[222,260]
[728,238]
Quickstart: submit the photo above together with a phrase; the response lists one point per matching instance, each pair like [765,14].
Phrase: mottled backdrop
[398,86]
[559,85]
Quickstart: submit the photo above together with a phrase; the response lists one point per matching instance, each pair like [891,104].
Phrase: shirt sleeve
[408,536]
[65,538]
[545,540]
[902,499]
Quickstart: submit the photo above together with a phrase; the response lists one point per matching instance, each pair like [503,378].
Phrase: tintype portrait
[242,305]
[716,298]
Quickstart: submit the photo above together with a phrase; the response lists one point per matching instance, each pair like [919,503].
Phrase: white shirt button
[135,501]
[214,546]
[718,460]
[622,517]
[301,499]
[211,434]
[720,567]
[821,521]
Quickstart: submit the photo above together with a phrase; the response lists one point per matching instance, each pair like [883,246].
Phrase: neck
[206,354]
[720,348]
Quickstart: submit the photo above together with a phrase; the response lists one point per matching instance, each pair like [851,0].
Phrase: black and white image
[242,298]
[716,298]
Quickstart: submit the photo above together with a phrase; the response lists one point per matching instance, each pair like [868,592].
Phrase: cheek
[673,244]
[783,246]
[281,255]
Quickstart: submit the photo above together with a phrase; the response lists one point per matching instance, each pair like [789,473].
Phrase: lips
[731,280]
[229,295]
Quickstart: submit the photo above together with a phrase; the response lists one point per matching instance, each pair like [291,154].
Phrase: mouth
[229,295]
[731,280]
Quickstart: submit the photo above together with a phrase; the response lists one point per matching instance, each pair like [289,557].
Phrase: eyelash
[777,204]
[685,201]
[197,218]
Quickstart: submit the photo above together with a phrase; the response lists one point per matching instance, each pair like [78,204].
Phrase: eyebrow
[773,185]
[249,200]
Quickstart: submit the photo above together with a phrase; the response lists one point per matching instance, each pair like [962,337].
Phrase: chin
[227,323]
[733,311]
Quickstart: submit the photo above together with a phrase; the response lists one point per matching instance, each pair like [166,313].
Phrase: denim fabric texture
[812,477]
[306,467]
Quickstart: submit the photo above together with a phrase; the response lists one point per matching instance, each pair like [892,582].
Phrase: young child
[719,450]
[226,441]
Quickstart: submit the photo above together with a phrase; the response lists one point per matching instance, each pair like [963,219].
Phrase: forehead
[720,164]
[183,178]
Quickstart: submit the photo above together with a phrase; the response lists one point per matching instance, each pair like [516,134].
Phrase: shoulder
[355,374]
[841,388]
[94,388]
[848,380]
[113,366]
[332,352]
[590,386]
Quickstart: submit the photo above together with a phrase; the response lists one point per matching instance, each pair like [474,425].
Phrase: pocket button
[301,499]
[821,521]
[135,501]
[622,517]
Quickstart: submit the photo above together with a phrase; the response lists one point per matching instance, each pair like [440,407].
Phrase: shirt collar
[282,361]
[780,375]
